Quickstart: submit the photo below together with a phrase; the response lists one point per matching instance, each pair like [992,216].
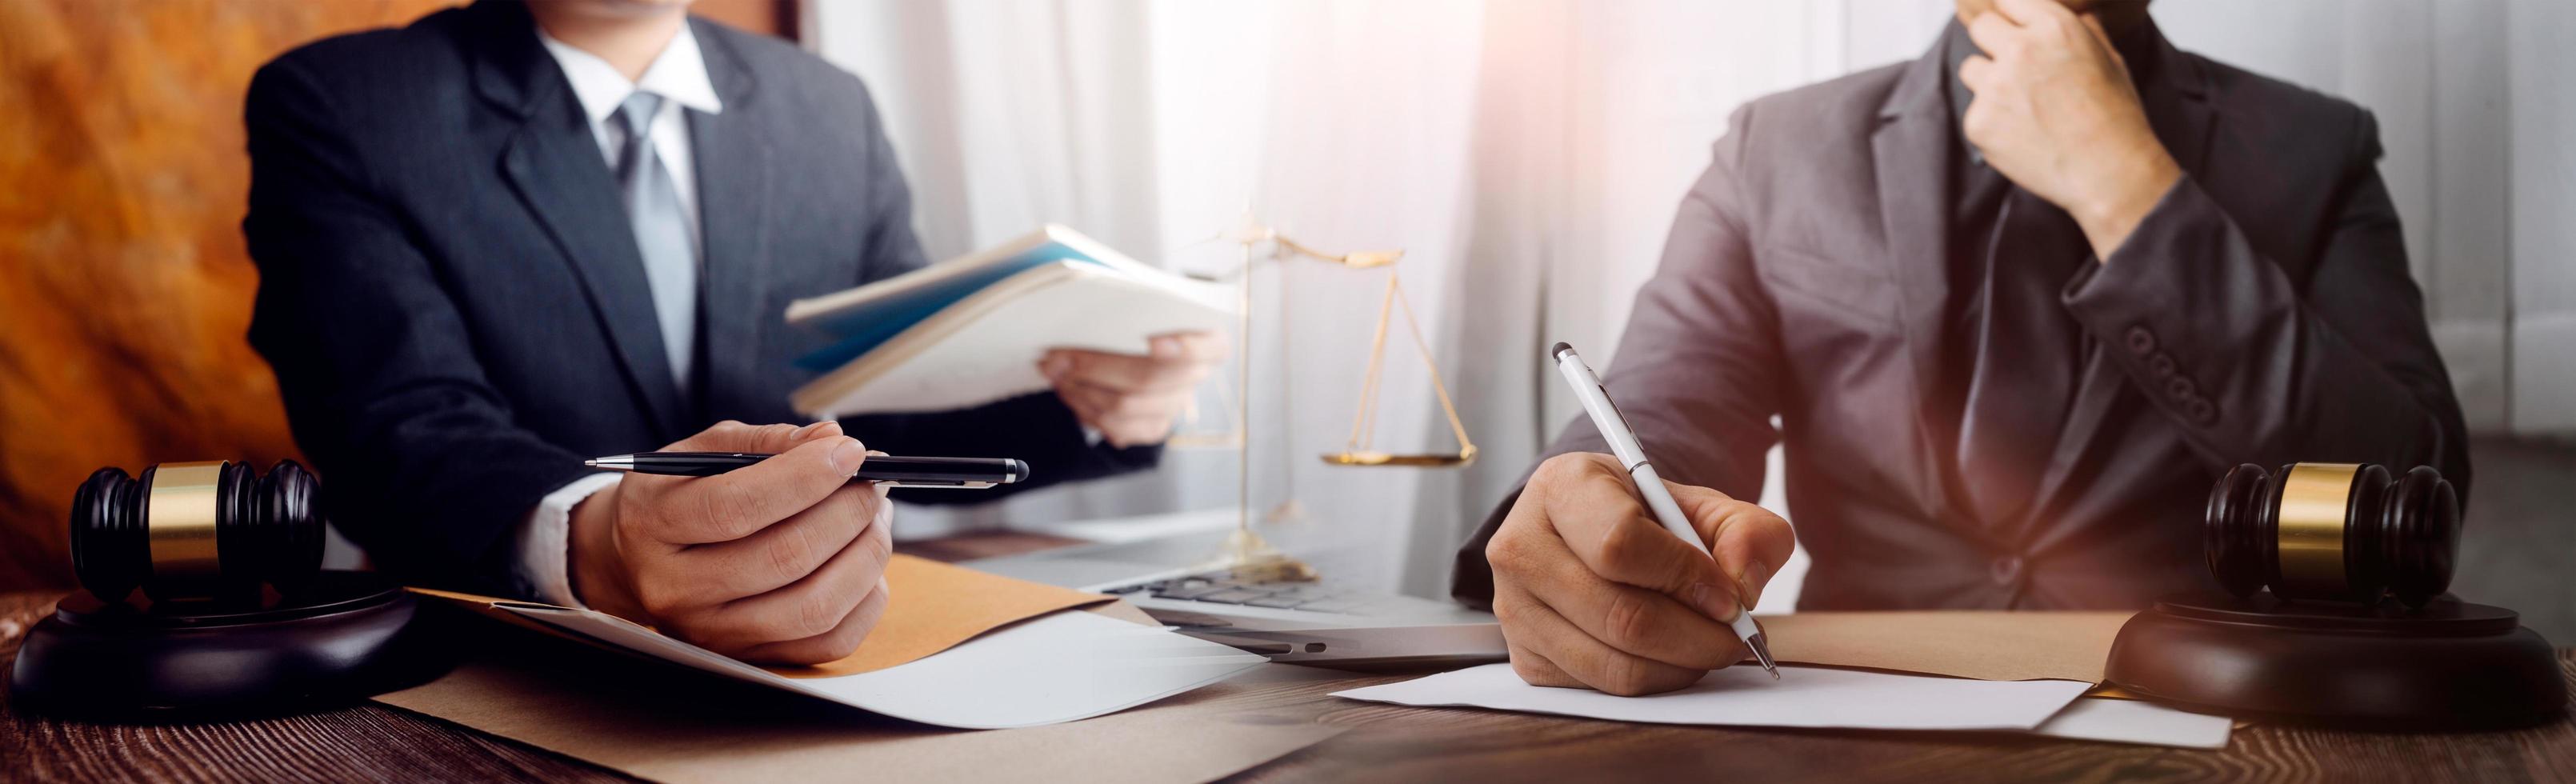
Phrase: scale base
[352,634]
[1254,560]
[2449,664]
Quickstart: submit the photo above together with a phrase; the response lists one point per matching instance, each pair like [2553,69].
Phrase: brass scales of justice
[1246,553]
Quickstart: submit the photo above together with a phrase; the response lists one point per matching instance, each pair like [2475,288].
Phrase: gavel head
[187,531]
[2334,531]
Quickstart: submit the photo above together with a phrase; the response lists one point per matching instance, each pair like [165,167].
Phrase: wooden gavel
[2333,531]
[207,530]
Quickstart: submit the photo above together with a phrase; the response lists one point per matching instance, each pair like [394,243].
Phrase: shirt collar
[678,74]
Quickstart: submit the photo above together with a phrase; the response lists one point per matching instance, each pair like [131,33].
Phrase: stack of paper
[2013,671]
[1746,696]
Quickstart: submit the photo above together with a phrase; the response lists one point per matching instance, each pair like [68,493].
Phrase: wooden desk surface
[1387,743]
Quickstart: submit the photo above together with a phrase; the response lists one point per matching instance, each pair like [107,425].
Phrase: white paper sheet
[1053,668]
[2132,721]
[1745,696]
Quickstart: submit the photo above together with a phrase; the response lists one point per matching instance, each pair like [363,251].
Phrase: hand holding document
[971,330]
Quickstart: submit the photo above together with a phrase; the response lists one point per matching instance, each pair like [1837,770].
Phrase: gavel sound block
[2334,612]
[235,615]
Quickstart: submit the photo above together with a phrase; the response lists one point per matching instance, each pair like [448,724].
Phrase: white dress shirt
[679,75]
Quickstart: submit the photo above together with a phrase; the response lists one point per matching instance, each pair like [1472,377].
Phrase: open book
[970,330]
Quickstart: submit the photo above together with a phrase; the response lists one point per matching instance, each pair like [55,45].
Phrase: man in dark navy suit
[510,236]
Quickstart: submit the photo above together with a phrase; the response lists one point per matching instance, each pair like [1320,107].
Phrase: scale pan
[1384,459]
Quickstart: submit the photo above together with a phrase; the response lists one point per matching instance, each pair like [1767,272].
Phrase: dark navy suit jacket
[456,311]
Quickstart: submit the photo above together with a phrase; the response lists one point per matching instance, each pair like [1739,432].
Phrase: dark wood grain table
[1385,743]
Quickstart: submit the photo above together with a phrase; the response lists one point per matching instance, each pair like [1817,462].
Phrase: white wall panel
[2543,104]
[2466,275]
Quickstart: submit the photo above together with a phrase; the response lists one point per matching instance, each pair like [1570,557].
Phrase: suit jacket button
[2181,390]
[2006,570]
[2141,341]
[2161,364]
[2202,411]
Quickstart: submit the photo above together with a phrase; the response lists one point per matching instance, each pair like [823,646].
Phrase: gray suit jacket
[2262,313]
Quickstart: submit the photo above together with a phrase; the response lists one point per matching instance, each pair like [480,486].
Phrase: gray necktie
[662,233]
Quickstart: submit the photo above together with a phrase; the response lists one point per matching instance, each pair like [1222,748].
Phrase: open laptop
[1320,622]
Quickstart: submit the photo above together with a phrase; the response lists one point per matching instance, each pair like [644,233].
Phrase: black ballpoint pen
[957,472]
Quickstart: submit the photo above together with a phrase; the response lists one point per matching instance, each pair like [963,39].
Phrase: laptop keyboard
[1222,588]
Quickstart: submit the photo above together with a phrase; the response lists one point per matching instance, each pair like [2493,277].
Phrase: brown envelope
[1994,646]
[935,606]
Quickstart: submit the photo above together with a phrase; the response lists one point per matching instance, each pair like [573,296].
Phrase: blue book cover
[864,326]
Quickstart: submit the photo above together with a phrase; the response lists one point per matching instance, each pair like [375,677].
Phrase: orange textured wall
[125,288]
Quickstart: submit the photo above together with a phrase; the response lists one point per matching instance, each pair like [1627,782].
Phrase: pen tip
[592,462]
[1762,653]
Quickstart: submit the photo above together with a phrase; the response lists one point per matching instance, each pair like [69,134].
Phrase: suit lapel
[554,166]
[2177,103]
[1910,150]
[733,159]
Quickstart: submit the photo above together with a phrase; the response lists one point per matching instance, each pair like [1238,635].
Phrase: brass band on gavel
[2335,531]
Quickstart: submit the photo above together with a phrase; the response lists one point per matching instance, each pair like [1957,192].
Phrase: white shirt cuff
[545,539]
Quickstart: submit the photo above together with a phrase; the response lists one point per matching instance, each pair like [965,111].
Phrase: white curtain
[1528,155]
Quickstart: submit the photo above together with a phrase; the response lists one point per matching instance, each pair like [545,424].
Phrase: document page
[1054,668]
[1746,696]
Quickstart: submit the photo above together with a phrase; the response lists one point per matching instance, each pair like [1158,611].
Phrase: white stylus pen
[1623,443]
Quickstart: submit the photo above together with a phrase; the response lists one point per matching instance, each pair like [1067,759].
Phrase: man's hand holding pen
[1592,593]
[780,561]
[783,560]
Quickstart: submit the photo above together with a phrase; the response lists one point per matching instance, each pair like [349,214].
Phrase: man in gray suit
[2016,305]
